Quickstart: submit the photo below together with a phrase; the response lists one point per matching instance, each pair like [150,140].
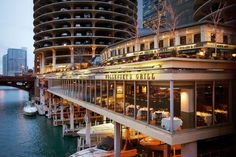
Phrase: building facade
[179,94]
[68,34]
[15,62]
[4,64]
[183,9]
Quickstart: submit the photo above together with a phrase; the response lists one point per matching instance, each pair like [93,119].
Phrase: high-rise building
[4,64]
[183,9]
[15,62]
[68,34]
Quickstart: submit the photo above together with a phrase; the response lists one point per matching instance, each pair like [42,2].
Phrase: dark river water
[22,136]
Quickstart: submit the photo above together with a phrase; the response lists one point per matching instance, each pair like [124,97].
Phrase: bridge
[22,82]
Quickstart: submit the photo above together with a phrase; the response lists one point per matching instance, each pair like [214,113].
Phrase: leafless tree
[134,33]
[158,20]
[216,18]
[172,20]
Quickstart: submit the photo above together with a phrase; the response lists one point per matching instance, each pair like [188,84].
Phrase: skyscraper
[14,62]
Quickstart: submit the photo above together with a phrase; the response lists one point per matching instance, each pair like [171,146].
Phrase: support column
[94,51]
[42,63]
[50,106]
[117,139]
[62,113]
[88,127]
[72,60]
[53,59]
[71,116]
[156,46]
[177,39]
[167,151]
[189,150]
[171,105]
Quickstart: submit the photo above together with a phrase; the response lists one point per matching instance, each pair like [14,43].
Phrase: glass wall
[92,88]
[104,94]
[98,93]
[111,95]
[119,97]
[129,98]
[159,102]
[141,100]
[88,86]
[221,110]
[204,103]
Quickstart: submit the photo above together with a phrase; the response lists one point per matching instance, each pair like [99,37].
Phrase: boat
[29,109]
[40,108]
[105,149]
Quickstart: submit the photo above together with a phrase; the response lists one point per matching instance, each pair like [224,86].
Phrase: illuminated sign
[130,76]
[221,45]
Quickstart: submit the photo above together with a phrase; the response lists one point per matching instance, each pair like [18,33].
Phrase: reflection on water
[22,136]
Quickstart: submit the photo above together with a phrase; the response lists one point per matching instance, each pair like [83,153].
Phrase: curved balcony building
[69,33]
[204,10]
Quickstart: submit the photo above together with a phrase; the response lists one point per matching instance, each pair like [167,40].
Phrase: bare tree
[158,20]
[134,33]
[172,20]
[216,17]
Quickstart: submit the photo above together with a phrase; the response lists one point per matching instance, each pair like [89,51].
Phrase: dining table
[177,123]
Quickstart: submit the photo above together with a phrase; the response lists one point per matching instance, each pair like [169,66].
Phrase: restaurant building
[179,91]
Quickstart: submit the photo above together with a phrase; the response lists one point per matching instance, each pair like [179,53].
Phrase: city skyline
[17,28]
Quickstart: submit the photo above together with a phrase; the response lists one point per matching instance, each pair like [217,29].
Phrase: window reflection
[221,102]
[204,104]
[159,102]
[129,99]
[141,100]
[98,93]
[119,97]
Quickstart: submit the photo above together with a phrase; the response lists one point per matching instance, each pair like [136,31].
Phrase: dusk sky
[16,27]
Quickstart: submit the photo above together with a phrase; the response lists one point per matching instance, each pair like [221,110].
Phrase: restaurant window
[151,45]
[221,109]
[142,47]
[225,39]
[111,95]
[119,97]
[98,93]
[88,91]
[161,44]
[129,98]
[197,38]
[184,104]
[133,49]
[141,101]
[104,94]
[92,86]
[80,89]
[159,102]
[204,103]
[172,42]
[213,37]
[183,40]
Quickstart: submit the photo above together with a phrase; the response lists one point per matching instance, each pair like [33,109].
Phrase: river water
[22,136]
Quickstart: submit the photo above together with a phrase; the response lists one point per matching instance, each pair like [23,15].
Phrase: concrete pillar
[50,106]
[177,39]
[156,46]
[88,127]
[53,59]
[72,59]
[117,139]
[189,150]
[126,49]
[42,63]
[94,51]
[205,34]
[171,105]
[137,45]
[187,107]
[62,112]
[71,116]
